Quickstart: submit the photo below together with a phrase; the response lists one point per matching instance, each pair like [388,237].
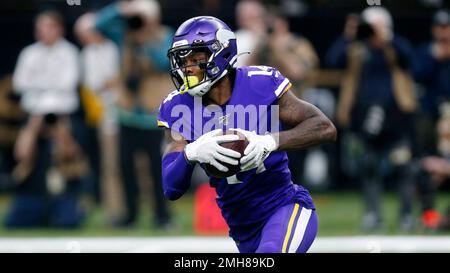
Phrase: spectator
[250,17]
[50,163]
[294,54]
[437,169]
[143,41]
[431,70]
[100,69]
[377,95]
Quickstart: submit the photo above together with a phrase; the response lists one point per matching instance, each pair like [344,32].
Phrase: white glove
[258,149]
[206,149]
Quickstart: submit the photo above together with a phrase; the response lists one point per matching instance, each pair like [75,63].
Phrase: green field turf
[339,215]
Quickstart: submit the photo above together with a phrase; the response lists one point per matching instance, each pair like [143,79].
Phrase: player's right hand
[258,149]
[206,149]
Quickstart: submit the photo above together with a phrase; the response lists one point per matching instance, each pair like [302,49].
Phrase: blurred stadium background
[192,224]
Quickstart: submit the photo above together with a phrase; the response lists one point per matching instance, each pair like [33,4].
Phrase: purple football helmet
[202,34]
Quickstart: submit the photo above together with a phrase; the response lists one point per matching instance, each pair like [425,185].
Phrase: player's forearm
[176,173]
[311,132]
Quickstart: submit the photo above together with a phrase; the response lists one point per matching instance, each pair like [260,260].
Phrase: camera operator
[279,47]
[377,102]
[49,161]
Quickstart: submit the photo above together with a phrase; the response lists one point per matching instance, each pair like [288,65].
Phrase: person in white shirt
[99,55]
[49,158]
[99,72]
[251,19]
[47,71]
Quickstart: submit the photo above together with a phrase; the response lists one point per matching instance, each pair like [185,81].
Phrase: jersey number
[263,71]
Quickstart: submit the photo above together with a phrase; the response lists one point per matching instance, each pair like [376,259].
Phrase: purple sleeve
[164,120]
[281,84]
[176,173]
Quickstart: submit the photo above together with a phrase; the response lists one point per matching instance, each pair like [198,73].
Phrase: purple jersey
[248,198]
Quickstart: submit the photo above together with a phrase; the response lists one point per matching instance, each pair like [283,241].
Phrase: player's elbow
[173,195]
[326,129]
[329,132]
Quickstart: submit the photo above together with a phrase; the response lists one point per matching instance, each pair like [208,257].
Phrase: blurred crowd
[78,123]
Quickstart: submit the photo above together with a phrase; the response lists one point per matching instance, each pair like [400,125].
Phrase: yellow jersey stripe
[289,230]
[281,87]
[285,89]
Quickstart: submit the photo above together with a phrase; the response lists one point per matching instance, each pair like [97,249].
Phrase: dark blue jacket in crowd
[375,82]
[336,56]
[434,75]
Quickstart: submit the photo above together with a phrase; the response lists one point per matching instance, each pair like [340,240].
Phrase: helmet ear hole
[215,70]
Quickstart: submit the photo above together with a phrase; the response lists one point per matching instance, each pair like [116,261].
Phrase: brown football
[238,146]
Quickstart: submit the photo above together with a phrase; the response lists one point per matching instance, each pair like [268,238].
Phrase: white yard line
[365,244]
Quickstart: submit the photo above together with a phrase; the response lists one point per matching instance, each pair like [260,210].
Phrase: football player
[265,211]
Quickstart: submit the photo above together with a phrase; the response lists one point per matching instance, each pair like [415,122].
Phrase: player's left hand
[258,149]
